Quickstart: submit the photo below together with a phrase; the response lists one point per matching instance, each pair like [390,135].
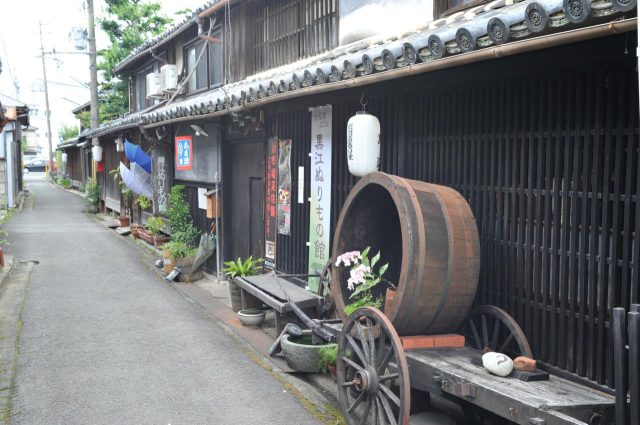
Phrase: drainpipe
[509,49]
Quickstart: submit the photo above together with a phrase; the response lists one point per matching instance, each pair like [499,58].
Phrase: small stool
[431,418]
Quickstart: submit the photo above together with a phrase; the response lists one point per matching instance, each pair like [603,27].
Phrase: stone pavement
[105,341]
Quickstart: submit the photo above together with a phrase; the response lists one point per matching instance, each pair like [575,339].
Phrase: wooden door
[244,199]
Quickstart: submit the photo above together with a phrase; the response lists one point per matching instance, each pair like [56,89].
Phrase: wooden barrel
[427,234]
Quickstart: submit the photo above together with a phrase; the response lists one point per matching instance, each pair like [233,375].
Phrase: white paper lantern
[363,144]
[96,152]
[64,157]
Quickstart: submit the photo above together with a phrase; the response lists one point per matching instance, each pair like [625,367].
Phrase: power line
[6,56]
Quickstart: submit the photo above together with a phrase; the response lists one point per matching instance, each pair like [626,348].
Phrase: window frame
[194,44]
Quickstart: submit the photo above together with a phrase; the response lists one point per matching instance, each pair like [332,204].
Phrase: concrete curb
[9,262]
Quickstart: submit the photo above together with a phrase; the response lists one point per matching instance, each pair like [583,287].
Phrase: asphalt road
[105,341]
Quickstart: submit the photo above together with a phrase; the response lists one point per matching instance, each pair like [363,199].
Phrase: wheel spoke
[485,331]
[351,363]
[385,361]
[357,402]
[387,391]
[506,343]
[496,333]
[348,384]
[387,409]
[367,409]
[372,343]
[385,378]
[363,341]
[476,335]
[356,348]
[379,412]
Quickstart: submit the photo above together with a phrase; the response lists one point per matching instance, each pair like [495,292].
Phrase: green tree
[128,23]
[67,132]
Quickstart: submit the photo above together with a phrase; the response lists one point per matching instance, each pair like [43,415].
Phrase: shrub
[155,224]
[92,195]
[180,249]
[179,214]
[248,267]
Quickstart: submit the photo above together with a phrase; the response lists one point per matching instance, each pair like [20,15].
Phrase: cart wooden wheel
[324,290]
[373,377]
[490,328]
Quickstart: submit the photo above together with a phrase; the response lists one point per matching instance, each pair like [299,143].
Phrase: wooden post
[634,365]
[619,351]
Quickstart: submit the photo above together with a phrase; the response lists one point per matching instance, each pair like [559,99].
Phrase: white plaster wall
[363,18]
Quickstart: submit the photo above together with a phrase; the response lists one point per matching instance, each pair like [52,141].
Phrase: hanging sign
[320,191]
[270,210]
[184,153]
[161,177]
[284,187]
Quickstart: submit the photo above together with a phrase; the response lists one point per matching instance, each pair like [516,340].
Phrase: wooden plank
[529,254]
[619,349]
[280,288]
[634,365]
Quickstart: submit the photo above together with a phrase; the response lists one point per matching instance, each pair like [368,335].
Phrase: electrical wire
[204,49]
[6,56]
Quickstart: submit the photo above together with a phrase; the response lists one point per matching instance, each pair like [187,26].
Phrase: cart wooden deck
[556,401]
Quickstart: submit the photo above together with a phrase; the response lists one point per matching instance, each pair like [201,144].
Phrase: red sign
[184,153]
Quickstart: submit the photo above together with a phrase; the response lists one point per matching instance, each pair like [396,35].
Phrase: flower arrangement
[363,278]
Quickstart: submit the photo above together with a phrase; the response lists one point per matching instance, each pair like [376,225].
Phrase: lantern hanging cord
[363,103]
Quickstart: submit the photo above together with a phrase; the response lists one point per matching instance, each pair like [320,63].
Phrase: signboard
[284,187]
[161,177]
[270,210]
[320,191]
[202,198]
[184,152]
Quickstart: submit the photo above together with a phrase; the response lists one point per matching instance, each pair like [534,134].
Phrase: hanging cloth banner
[284,187]
[320,191]
[271,198]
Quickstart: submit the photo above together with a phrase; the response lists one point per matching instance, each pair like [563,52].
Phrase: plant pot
[301,356]
[388,300]
[168,262]
[146,236]
[333,371]
[158,241]
[251,317]
[134,231]
[187,273]
[235,294]
[124,221]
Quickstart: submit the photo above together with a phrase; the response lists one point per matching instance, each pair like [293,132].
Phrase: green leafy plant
[179,214]
[180,249]
[365,300]
[115,173]
[64,182]
[327,356]
[143,201]
[239,268]
[155,225]
[92,195]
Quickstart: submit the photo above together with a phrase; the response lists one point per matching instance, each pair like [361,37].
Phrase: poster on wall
[284,187]
[320,191]
[184,152]
[270,210]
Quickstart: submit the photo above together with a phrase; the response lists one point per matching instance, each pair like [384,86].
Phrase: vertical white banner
[320,191]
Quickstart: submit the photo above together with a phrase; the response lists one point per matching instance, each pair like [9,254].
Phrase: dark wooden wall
[545,148]
[270,33]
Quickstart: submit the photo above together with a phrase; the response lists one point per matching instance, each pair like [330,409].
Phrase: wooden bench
[278,293]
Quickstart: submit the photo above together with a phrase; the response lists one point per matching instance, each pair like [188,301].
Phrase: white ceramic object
[96,153]
[251,317]
[497,363]
[363,144]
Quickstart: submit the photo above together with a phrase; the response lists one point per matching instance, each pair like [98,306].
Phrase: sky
[67,73]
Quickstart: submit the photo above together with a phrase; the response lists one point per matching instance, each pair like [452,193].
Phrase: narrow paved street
[106,341]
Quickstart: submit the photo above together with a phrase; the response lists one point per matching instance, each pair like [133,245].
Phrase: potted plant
[155,225]
[143,203]
[241,268]
[127,195]
[179,215]
[182,256]
[327,356]
[92,196]
[363,278]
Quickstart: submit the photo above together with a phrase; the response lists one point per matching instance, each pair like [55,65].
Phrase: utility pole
[93,69]
[46,100]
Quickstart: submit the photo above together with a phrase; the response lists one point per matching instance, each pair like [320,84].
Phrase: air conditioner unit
[169,77]
[153,84]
